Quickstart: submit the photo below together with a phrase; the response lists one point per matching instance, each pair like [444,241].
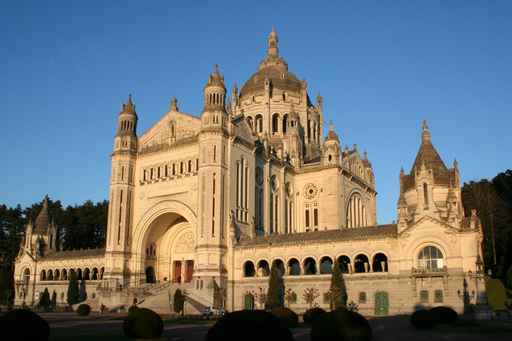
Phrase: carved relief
[310,191]
[185,244]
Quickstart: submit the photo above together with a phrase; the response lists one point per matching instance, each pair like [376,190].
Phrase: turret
[121,195]
[214,114]
[331,148]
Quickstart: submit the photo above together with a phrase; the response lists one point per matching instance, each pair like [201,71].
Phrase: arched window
[326,265]
[102,271]
[64,275]
[79,274]
[380,263]
[430,258]
[275,123]
[263,268]
[293,267]
[309,266]
[249,270]
[356,212]
[285,123]
[26,277]
[87,274]
[42,277]
[425,194]
[280,265]
[150,275]
[361,263]
[49,275]
[259,123]
[56,275]
[344,264]
[94,274]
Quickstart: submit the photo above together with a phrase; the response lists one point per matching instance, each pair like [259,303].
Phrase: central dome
[273,68]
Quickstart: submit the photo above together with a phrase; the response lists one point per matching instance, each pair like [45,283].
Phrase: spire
[128,107]
[425,135]
[272,48]
[174,104]
[42,219]
[331,134]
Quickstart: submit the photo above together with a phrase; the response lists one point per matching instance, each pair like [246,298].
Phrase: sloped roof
[43,219]
[378,231]
[70,254]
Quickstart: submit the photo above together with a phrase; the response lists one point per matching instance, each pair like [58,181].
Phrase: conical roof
[427,154]
[43,219]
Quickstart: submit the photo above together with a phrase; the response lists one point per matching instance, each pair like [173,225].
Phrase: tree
[290,297]
[73,296]
[310,295]
[338,291]
[44,300]
[275,293]
[82,292]
[179,302]
[54,300]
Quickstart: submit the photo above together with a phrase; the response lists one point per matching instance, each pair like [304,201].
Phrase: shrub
[83,310]
[343,325]
[26,325]
[422,319]
[143,323]
[249,325]
[496,294]
[287,316]
[312,315]
[443,315]
[132,309]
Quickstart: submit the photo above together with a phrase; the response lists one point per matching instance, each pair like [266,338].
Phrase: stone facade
[210,203]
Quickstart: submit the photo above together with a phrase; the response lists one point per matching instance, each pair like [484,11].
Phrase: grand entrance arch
[164,244]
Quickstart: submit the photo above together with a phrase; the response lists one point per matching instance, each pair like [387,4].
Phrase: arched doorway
[249,301]
[381,303]
[150,275]
[168,249]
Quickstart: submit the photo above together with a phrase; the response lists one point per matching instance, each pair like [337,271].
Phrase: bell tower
[122,183]
[211,234]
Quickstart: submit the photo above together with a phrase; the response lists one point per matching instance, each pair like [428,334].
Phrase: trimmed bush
[25,325]
[313,314]
[143,323]
[443,315]
[287,316]
[423,319]
[83,310]
[132,309]
[341,325]
[249,325]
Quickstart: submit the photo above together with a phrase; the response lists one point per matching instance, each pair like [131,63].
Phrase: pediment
[242,129]
[172,127]
[426,222]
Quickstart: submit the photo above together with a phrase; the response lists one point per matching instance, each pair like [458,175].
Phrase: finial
[425,135]
[402,171]
[365,155]
[273,28]
[455,164]
[174,104]
[331,125]
[272,43]
[216,68]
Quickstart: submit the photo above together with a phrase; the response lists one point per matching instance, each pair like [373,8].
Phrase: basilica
[209,203]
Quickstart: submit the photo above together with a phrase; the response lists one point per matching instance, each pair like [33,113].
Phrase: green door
[381,303]
[249,302]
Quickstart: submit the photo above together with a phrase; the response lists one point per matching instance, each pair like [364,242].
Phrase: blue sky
[381,66]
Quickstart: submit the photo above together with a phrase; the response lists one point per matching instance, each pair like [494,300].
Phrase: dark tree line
[79,227]
[493,203]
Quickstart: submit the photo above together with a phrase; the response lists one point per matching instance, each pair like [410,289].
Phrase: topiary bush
[313,314]
[443,315]
[249,325]
[25,325]
[423,319]
[83,310]
[132,309]
[143,323]
[341,325]
[287,316]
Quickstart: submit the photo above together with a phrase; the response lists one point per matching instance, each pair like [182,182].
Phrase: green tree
[179,302]
[275,293]
[310,295]
[338,291]
[54,300]
[44,300]
[73,296]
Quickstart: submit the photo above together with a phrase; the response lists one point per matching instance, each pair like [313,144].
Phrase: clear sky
[381,66]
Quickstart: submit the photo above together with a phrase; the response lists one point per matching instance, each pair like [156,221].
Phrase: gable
[172,127]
